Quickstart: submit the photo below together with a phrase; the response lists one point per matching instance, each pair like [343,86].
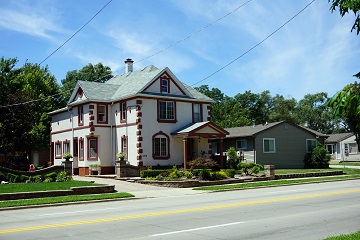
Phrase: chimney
[128,65]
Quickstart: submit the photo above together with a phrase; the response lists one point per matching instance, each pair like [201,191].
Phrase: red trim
[140,151]
[139,101]
[106,113]
[139,126]
[138,145]
[139,114]
[91,106]
[138,133]
[167,146]
[88,149]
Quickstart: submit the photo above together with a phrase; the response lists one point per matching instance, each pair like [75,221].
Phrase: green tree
[282,109]
[346,104]
[347,6]
[91,73]
[27,94]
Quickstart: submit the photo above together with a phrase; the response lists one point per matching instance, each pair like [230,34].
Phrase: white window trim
[272,139]
[241,140]
[310,139]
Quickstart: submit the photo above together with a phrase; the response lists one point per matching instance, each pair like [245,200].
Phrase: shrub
[249,168]
[2,177]
[36,179]
[12,178]
[188,174]
[22,178]
[205,174]
[63,177]
[48,179]
[232,158]
[203,163]
[218,175]
[153,173]
[319,157]
[52,176]
[229,172]
[175,173]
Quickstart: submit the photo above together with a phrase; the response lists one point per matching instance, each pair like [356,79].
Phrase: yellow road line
[187,210]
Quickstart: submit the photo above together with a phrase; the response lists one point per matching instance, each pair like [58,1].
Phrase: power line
[76,32]
[256,45]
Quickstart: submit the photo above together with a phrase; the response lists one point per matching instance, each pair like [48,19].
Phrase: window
[165,85]
[197,113]
[330,148]
[102,113]
[58,152]
[80,115]
[75,147]
[166,110]
[241,144]
[269,145]
[161,146]
[310,144]
[123,111]
[92,149]
[66,146]
[81,149]
[124,144]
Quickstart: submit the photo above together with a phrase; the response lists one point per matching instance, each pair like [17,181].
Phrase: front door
[190,149]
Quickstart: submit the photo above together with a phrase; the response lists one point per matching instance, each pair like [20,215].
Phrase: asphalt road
[309,211]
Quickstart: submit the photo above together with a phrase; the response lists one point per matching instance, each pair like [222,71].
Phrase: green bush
[154,173]
[249,168]
[175,173]
[188,174]
[232,158]
[63,177]
[22,178]
[229,172]
[319,157]
[205,174]
[51,175]
[36,179]
[48,179]
[218,175]
[12,178]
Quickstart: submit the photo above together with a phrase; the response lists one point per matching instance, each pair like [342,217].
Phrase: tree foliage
[348,6]
[91,73]
[27,94]
[346,104]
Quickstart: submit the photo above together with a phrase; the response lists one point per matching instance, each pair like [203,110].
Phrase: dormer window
[165,88]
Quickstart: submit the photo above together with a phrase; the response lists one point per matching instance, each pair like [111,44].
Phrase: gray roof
[190,127]
[249,131]
[129,84]
[338,137]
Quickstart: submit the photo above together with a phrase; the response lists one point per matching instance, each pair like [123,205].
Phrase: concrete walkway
[141,190]
[344,166]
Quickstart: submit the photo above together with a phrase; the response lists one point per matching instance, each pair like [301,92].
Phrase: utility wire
[76,32]
[256,45]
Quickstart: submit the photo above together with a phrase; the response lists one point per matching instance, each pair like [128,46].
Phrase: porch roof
[338,137]
[201,129]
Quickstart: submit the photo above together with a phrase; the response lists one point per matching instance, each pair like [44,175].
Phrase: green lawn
[350,174]
[33,187]
[351,236]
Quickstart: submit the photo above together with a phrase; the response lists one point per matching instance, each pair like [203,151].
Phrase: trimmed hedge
[154,173]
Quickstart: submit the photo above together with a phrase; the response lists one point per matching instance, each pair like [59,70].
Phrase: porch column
[221,141]
[185,152]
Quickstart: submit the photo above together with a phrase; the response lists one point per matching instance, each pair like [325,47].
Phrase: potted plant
[67,156]
[95,167]
[121,155]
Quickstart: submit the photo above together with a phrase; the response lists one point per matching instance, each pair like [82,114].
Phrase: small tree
[232,158]
[250,168]
[319,157]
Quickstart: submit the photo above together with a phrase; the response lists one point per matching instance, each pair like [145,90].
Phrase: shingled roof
[250,131]
[338,137]
[131,83]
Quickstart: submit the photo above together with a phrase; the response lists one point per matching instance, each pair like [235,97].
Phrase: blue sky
[314,52]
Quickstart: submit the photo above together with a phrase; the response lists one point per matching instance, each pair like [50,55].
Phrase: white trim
[269,139]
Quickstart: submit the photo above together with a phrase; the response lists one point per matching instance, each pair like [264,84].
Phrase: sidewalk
[141,190]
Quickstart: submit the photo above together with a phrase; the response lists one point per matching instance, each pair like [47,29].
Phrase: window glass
[58,149]
[81,149]
[164,85]
[124,145]
[160,146]
[269,145]
[75,147]
[196,109]
[80,115]
[66,147]
[167,111]
[92,148]
[241,144]
[102,113]
[310,144]
[123,111]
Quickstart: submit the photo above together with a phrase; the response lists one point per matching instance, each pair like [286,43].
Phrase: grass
[63,199]
[351,236]
[350,173]
[33,187]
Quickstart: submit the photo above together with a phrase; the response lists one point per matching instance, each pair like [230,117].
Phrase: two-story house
[149,114]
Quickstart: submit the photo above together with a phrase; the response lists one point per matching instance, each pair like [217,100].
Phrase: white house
[148,114]
[343,147]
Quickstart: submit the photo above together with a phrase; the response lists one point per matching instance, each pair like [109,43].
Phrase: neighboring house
[283,144]
[148,114]
[343,147]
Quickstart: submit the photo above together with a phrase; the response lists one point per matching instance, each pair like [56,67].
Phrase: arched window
[160,144]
